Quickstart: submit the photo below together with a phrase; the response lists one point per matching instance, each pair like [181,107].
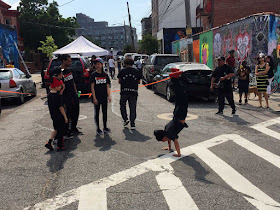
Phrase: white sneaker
[133,128]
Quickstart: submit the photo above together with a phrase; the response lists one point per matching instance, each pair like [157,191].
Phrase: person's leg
[269,86]
[229,96]
[132,102]
[221,99]
[76,112]
[53,135]
[113,72]
[104,113]
[260,99]
[123,101]
[266,99]
[59,136]
[96,116]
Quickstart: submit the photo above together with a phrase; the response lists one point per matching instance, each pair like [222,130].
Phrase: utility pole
[125,41]
[131,32]
[189,29]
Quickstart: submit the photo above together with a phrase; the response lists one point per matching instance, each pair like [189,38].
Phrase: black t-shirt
[68,80]
[55,100]
[129,79]
[221,72]
[100,85]
[270,71]
[173,128]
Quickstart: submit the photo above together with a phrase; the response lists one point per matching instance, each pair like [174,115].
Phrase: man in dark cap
[221,79]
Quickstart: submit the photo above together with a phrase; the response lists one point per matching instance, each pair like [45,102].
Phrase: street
[227,162]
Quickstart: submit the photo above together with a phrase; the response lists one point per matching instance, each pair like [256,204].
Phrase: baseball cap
[56,82]
[98,60]
[221,58]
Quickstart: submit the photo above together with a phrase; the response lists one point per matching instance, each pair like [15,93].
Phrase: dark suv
[155,64]
[81,72]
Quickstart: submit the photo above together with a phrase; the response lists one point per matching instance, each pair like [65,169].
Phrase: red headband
[56,82]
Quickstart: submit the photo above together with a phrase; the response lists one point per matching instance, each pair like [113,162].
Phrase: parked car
[135,57]
[155,64]
[198,76]
[81,72]
[14,80]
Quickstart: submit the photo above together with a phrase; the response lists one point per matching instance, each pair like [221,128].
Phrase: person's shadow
[58,158]
[236,119]
[104,142]
[134,135]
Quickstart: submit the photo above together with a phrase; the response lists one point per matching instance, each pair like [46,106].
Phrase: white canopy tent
[83,47]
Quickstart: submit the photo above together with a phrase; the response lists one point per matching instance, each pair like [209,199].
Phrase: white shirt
[138,64]
[111,63]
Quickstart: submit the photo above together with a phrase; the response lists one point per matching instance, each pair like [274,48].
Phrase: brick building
[213,13]
[146,25]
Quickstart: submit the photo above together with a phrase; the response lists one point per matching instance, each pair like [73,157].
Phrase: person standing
[119,62]
[270,74]
[112,67]
[231,62]
[70,95]
[261,72]
[129,78]
[138,64]
[92,66]
[100,88]
[243,81]
[222,79]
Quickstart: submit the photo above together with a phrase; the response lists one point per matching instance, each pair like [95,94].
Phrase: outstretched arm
[177,146]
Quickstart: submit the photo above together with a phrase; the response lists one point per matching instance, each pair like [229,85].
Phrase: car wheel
[34,92]
[169,95]
[21,97]
[148,82]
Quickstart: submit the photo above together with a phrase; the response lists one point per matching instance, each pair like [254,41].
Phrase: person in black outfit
[58,116]
[243,81]
[179,85]
[221,77]
[70,95]
[100,88]
[270,73]
[129,78]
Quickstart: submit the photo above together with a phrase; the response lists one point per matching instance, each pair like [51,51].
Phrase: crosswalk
[94,195]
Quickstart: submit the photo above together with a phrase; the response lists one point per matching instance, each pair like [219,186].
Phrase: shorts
[243,86]
[58,124]
[173,128]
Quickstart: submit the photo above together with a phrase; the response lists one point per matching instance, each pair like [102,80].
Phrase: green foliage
[39,19]
[48,47]
[128,48]
[148,44]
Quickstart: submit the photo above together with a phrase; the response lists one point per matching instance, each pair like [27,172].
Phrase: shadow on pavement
[236,119]
[134,135]
[58,158]
[105,142]
[200,171]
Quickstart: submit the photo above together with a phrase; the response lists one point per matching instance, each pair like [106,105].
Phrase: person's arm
[62,90]
[75,87]
[212,83]
[177,147]
[93,94]
[267,67]
[228,76]
[109,93]
[63,113]
[256,71]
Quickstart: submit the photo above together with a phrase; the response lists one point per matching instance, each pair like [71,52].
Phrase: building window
[8,21]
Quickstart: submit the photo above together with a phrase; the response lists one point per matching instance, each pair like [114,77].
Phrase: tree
[39,19]
[148,44]
[48,47]
[128,48]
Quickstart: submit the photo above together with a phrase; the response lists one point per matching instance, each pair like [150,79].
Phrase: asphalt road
[236,166]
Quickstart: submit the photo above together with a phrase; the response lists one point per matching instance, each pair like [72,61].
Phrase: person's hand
[95,101]
[109,99]
[212,88]
[222,78]
[66,120]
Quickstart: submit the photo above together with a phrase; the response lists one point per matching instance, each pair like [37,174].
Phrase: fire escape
[204,14]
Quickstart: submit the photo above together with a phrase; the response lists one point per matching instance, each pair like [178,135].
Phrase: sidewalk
[253,102]
[36,77]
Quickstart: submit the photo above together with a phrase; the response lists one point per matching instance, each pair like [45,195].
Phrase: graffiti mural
[218,44]
[206,49]
[7,39]
[242,46]
[170,35]
[176,47]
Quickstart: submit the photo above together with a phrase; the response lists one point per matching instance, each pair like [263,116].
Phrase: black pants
[132,101]
[222,94]
[104,105]
[72,110]
[59,126]
[181,99]
[112,72]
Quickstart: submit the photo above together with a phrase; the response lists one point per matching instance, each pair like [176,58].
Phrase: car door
[26,82]
[164,73]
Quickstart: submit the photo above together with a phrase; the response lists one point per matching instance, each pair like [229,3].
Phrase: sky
[112,11]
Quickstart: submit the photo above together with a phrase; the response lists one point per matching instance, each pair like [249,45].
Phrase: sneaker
[233,111]
[75,131]
[240,102]
[106,130]
[133,127]
[99,132]
[126,123]
[186,125]
[49,146]
[246,101]
[61,148]
[219,112]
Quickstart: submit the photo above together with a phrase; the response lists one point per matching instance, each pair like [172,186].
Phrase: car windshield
[163,60]
[136,58]
[186,67]
[4,75]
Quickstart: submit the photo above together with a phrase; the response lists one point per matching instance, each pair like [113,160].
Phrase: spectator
[243,81]
[270,75]
[112,67]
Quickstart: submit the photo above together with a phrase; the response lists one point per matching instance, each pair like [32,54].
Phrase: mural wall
[274,41]
[247,37]
[206,48]
[7,39]
[170,35]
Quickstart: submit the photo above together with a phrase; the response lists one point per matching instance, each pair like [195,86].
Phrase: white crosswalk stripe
[88,198]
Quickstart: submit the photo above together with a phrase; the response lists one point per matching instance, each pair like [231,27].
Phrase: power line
[66,3]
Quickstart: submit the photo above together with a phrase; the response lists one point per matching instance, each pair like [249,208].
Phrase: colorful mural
[7,39]
[206,49]
[170,35]
[176,47]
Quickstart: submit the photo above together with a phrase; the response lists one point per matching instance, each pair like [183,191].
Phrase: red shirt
[230,61]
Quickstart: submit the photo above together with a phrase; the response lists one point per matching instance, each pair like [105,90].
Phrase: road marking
[234,179]
[94,198]
[174,192]
[169,116]
[262,127]
[82,117]
[162,164]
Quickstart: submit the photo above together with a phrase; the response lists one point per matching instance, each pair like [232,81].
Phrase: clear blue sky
[112,11]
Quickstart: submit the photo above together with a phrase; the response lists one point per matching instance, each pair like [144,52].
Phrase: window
[16,74]
[22,75]
[4,75]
